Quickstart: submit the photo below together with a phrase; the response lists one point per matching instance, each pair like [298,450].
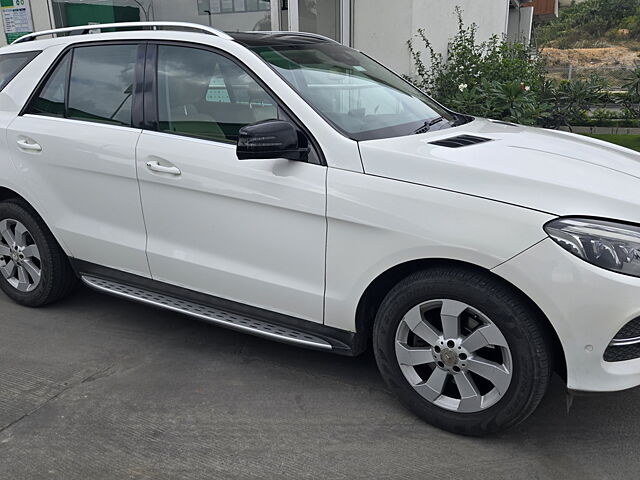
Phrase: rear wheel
[34,271]
[462,350]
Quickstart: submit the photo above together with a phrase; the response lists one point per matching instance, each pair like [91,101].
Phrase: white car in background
[287,186]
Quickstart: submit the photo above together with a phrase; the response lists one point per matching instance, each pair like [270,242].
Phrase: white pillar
[294,17]
[275,15]
[345,22]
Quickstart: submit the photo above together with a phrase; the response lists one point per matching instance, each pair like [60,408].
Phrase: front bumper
[586,305]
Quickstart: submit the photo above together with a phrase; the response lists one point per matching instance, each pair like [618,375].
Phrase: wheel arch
[7,193]
[374,294]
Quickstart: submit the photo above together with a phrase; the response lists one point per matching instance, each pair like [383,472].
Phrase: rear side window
[101,86]
[12,63]
[50,101]
[92,84]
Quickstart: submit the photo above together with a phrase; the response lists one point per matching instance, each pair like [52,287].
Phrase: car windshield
[357,95]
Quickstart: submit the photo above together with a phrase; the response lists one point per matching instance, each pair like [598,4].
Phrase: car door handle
[155,166]
[29,145]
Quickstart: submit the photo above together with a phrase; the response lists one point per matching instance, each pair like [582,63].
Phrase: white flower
[462,87]
[527,88]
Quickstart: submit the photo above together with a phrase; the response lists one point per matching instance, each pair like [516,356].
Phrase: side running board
[213,315]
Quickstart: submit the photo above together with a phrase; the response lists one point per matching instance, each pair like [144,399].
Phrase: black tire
[57,277]
[520,324]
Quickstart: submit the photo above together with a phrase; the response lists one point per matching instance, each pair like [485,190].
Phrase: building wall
[183,12]
[520,24]
[40,10]
[381,28]
[546,8]
[168,10]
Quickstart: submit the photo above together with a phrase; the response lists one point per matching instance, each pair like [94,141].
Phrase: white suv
[287,186]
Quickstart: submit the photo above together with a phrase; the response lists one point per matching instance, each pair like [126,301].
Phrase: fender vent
[460,141]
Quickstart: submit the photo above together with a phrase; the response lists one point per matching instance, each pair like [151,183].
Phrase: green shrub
[568,103]
[630,101]
[469,63]
[499,79]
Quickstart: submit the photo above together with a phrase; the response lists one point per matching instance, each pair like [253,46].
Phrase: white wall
[40,10]
[382,28]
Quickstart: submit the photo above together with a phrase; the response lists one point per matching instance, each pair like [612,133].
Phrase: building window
[234,6]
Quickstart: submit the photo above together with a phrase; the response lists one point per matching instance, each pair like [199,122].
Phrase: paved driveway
[99,388]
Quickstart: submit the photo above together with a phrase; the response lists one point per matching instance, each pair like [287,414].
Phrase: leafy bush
[501,80]
[568,103]
[630,102]
[470,65]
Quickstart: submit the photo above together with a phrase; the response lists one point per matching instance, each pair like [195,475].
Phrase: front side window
[99,81]
[360,97]
[203,94]
[12,63]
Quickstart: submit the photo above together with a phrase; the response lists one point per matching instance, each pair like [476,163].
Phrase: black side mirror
[272,139]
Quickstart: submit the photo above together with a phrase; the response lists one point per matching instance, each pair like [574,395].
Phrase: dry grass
[595,58]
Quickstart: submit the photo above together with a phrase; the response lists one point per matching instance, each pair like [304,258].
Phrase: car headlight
[611,245]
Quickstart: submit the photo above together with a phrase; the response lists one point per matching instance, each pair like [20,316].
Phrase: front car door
[250,231]
[75,145]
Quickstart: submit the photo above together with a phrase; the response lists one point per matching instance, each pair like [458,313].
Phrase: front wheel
[462,350]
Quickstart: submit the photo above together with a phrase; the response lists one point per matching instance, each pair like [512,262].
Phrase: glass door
[331,18]
[321,17]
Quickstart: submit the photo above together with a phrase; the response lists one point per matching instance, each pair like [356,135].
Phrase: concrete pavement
[99,388]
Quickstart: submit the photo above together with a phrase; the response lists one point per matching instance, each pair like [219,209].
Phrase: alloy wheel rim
[453,355]
[20,262]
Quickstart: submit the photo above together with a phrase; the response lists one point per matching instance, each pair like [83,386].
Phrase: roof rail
[292,32]
[85,29]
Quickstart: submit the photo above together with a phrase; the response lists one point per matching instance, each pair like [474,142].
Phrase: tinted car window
[50,100]
[206,95]
[101,85]
[12,63]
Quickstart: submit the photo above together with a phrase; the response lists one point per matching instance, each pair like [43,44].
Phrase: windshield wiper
[428,124]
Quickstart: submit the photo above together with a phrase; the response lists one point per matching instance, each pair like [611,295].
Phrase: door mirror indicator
[272,139]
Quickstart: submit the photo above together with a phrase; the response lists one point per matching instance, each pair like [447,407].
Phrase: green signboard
[89,14]
[16,18]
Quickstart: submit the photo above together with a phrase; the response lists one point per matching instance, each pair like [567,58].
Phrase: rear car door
[75,145]
[250,231]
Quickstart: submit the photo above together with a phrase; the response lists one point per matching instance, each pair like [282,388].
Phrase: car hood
[550,171]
